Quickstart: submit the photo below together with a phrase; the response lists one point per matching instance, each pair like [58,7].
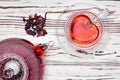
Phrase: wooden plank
[101,64]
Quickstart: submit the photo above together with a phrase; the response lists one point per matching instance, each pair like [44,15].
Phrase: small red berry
[38,49]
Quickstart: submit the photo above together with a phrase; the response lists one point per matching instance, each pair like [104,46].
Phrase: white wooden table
[60,65]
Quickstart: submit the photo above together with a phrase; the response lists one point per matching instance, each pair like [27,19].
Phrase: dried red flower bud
[35,25]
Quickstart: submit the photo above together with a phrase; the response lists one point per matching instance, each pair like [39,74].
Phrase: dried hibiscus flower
[35,25]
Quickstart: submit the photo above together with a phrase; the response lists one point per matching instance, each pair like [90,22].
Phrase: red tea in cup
[83,29]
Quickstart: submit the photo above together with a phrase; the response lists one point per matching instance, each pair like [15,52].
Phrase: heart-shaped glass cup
[83,29]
